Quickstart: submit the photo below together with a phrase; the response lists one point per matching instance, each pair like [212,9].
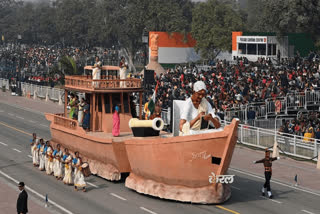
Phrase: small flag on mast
[46,200]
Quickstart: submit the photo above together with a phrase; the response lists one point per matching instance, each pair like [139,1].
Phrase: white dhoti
[123,76]
[96,75]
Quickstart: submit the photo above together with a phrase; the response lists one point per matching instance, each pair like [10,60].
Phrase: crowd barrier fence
[289,144]
[275,106]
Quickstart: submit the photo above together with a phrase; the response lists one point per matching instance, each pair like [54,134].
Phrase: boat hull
[178,168]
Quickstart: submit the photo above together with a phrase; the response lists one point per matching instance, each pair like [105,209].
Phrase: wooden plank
[140,106]
[65,102]
[94,112]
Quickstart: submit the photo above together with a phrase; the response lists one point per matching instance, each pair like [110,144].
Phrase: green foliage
[212,24]
[66,66]
[286,16]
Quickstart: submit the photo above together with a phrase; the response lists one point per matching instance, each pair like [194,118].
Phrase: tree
[66,66]
[212,24]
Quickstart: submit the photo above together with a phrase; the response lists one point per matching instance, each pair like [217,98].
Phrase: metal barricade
[276,106]
[54,93]
[290,144]
[240,113]
[295,101]
[312,98]
[42,91]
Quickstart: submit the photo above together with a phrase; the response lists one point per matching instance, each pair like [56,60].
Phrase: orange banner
[234,39]
[173,40]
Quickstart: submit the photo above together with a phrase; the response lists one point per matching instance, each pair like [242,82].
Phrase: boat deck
[125,135]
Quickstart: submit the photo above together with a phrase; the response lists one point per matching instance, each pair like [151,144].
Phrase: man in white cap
[195,109]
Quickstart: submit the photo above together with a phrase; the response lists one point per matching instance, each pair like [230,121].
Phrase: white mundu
[123,75]
[96,72]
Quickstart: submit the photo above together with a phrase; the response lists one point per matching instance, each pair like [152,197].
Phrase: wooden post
[94,112]
[91,111]
[140,106]
[65,102]
[103,111]
[110,101]
[129,103]
[121,100]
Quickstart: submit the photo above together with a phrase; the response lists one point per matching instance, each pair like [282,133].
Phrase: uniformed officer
[267,162]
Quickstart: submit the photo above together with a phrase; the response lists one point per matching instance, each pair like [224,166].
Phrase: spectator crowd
[233,85]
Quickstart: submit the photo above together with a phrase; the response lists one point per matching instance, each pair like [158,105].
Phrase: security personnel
[267,162]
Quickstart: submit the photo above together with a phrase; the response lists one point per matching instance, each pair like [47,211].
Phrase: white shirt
[189,112]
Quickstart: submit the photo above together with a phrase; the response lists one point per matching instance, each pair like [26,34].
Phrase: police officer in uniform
[267,162]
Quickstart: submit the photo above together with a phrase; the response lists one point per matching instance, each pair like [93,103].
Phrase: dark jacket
[22,202]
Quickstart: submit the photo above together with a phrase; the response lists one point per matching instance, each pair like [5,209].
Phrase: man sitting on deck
[197,108]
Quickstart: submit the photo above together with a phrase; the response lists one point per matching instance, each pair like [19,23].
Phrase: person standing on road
[67,160]
[22,202]
[78,174]
[267,162]
[35,153]
[42,155]
[49,154]
[33,141]
[57,164]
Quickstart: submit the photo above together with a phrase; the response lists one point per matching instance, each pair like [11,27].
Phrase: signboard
[252,39]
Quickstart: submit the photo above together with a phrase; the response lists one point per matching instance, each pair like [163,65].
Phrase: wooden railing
[65,122]
[85,82]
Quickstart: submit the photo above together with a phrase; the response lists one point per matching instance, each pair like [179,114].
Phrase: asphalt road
[16,125]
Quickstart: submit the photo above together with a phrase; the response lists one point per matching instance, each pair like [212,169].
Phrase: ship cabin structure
[103,95]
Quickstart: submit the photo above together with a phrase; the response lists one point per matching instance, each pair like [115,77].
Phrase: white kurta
[189,112]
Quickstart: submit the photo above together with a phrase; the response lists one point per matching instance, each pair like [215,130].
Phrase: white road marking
[11,114]
[29,156]
[92,185]
[20,117]
[235,187]
[3,144]
[16,150]
[1,111]
[31,121]
[149,211]
[36,193]
[117,196]
[276,182]
[44,125]
[279,202]
[306,211]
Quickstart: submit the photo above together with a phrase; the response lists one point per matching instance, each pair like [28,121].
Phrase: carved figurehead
[154,45]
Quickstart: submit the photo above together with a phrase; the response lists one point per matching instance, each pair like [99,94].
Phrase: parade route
[113,197]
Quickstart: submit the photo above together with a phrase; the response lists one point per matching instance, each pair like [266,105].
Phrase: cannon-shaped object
[146,128]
